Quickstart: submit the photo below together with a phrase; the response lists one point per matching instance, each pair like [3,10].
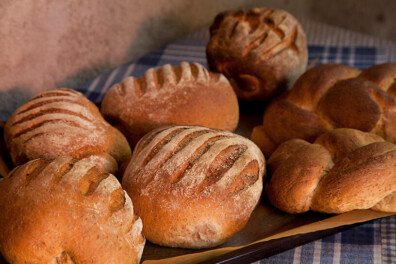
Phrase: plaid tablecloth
[373,242]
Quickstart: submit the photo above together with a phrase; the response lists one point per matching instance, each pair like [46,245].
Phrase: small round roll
[192,186]
[67,211]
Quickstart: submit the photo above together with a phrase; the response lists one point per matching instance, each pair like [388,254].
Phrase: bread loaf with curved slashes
[67,211]
[186,94]
[262,51]
[332,96]
[192,186]
[64,122]
[343,170]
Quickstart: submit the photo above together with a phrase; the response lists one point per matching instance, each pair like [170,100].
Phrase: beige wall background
[63,43]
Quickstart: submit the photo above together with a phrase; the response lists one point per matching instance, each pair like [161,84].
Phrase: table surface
[373,242]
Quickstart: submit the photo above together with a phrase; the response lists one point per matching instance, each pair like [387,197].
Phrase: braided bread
[262,51]
[343,170]
[66,211]
[194,187]
[64,122]
[186,94]
[331,96]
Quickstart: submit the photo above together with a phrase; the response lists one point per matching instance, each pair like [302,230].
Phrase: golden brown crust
[388,204]
[332,96]
[284,151]
[64,122]
[68,212]
[384,75]
[343,170]
[262,51]
[186,94]
[341,142]
[194,187]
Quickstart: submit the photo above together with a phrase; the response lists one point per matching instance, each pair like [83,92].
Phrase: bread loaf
[332,96]
[343,170]
[186,94]
[66,211]
[64,122]
[194,187]
[262,51]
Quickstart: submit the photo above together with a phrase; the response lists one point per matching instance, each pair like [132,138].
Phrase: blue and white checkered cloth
[373,242]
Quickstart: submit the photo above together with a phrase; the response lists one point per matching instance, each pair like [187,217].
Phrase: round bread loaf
[343,170]
[194,187]
[262,51]
[332,96]
[186,94]
[66,211]
[64,122]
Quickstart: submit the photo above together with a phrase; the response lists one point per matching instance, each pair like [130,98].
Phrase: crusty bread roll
[343,170]
[64,122]
[66,211]
[186,94]
[331,96]
[262,51]
[192,186]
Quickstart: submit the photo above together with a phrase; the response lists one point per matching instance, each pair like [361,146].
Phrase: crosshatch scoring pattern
[373,242]
[265,26]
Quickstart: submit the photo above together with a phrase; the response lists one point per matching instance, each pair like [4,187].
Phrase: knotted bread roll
[66,211]
[64,122]
[343,170]
[186,94]
[331,96]
[262,51]
[194,187]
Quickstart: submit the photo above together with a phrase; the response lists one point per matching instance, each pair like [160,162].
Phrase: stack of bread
[190,181]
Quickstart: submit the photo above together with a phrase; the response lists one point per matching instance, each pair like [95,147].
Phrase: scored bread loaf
[192,186]
[343,170]
[262,51]
[66,211]
[331,96]
[64,122]
[186,94]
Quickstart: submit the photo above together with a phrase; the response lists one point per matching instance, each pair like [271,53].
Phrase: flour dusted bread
[343,170]
[262,51]
[66,211]
[194,187]
[64,122]
[332,96]
[186,94]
